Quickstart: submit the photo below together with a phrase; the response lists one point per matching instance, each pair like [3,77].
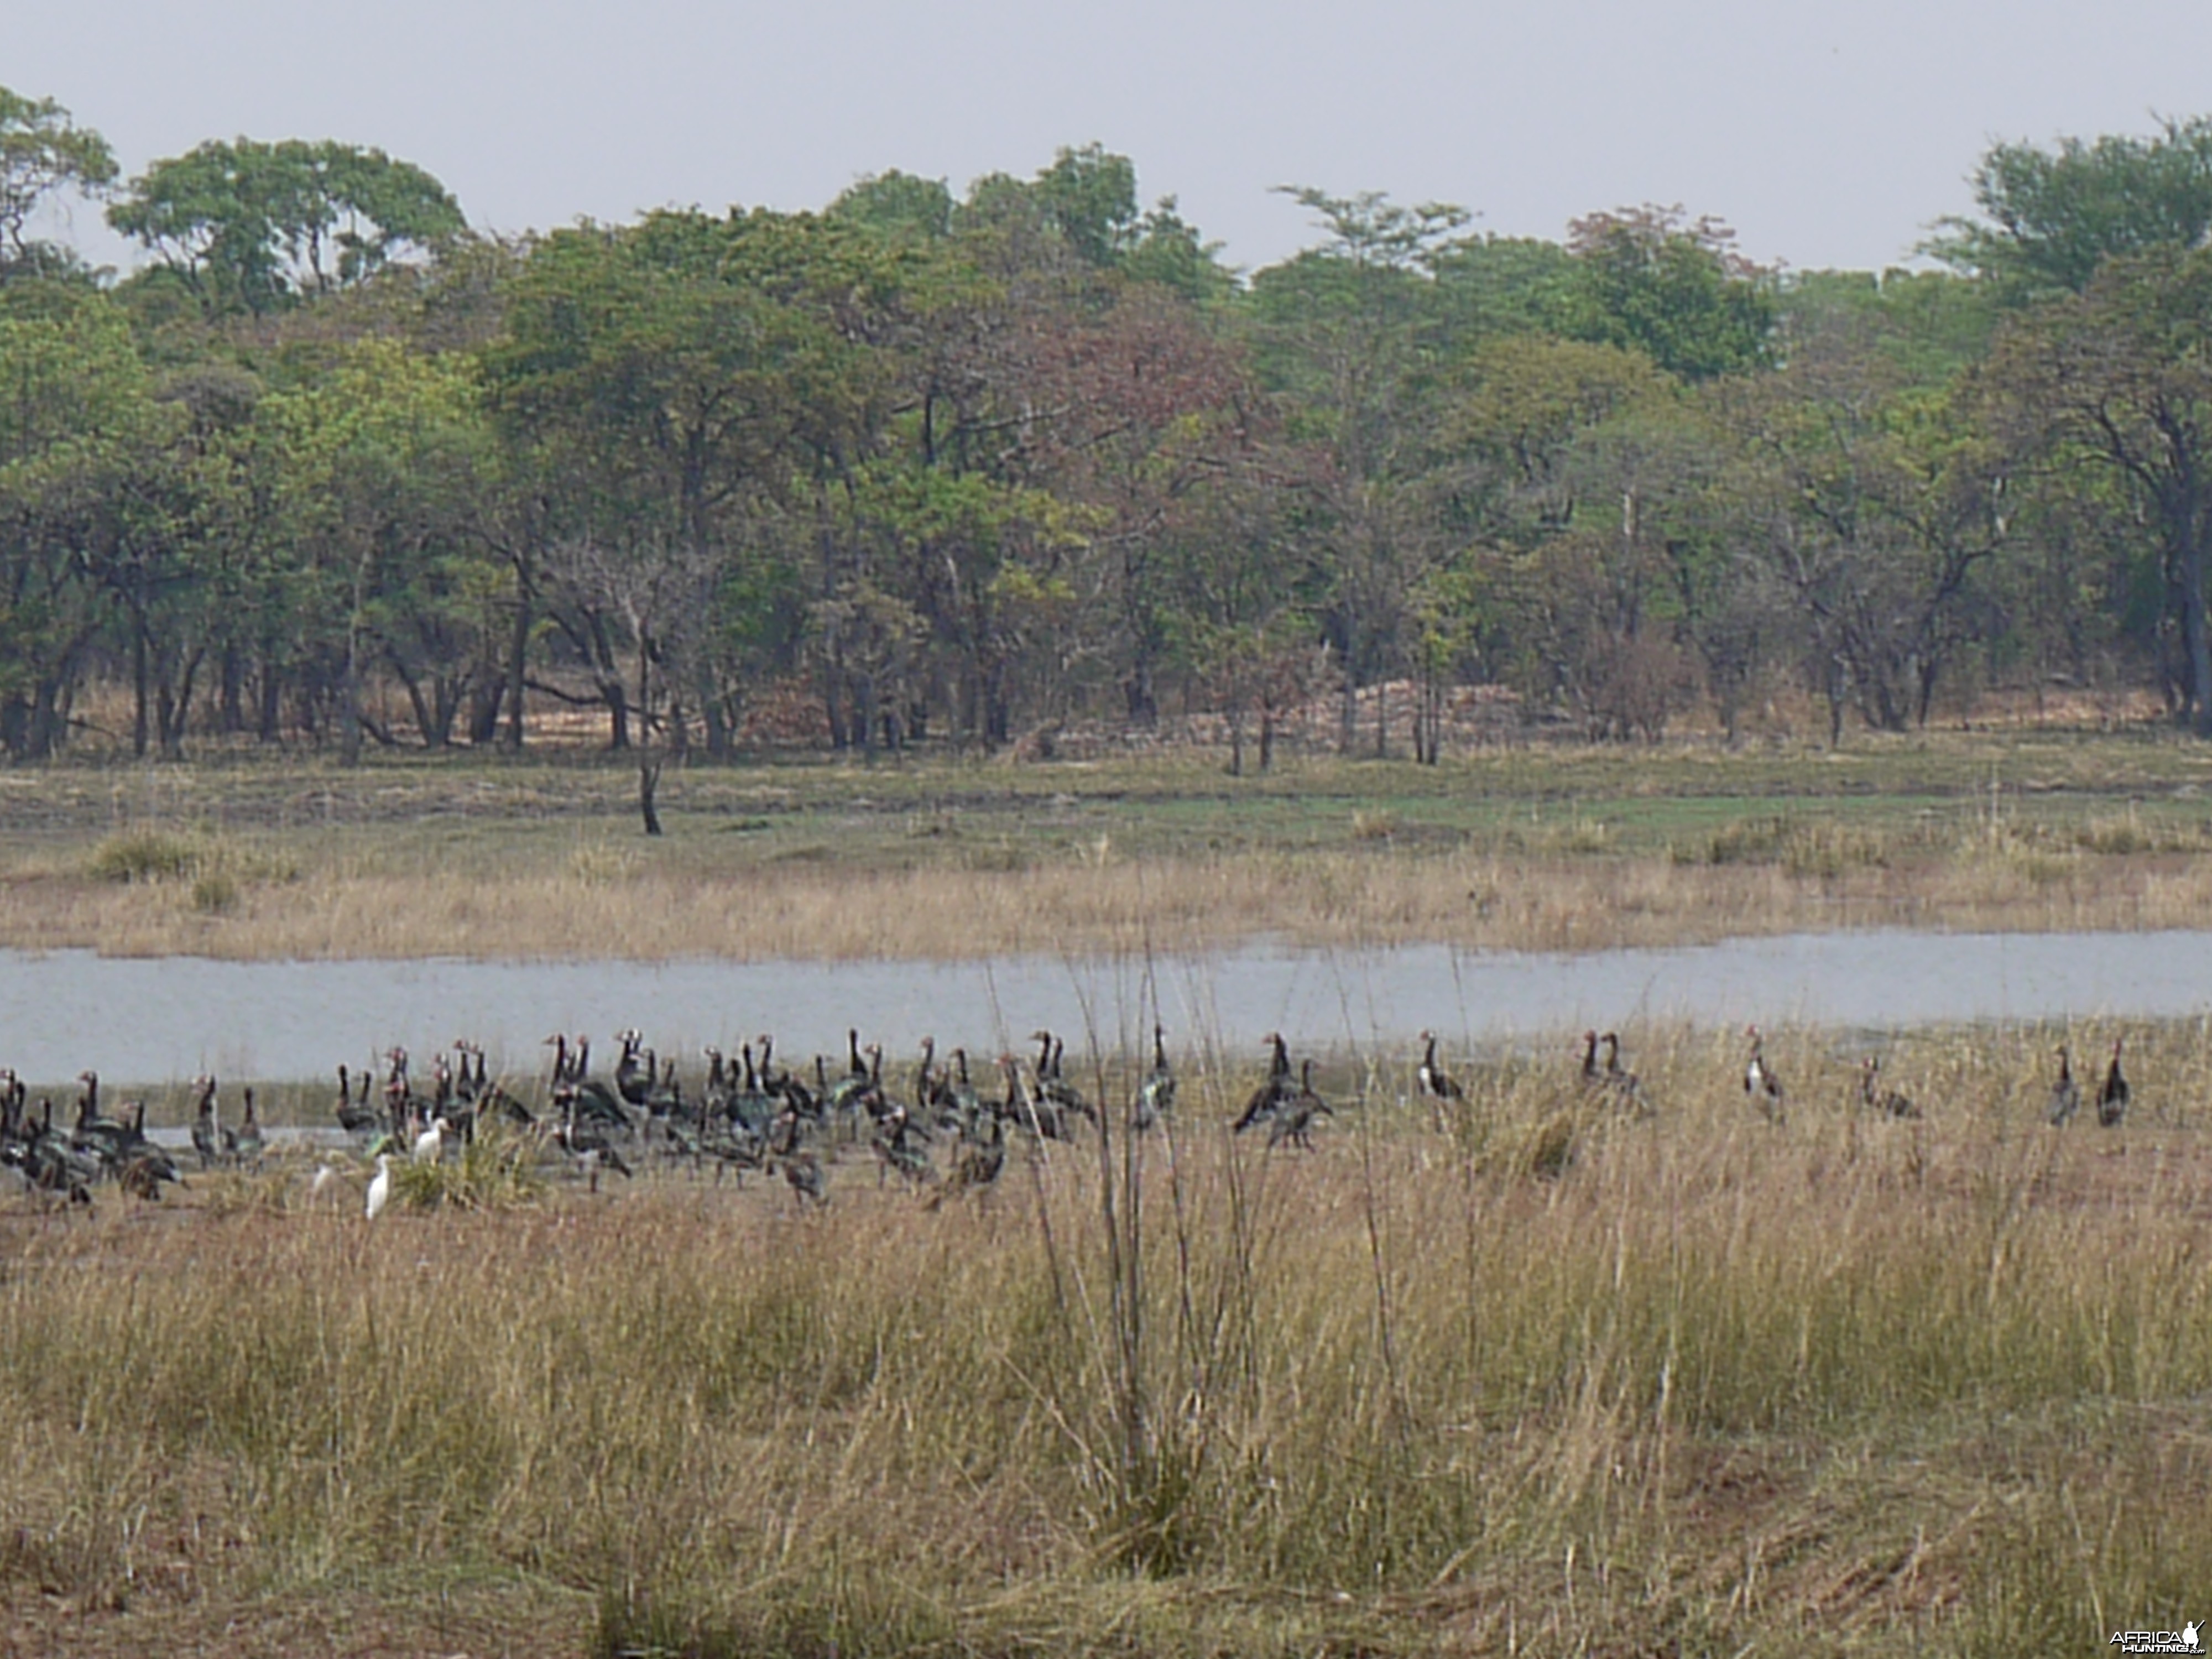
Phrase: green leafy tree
[1577,454]
[1346,333]
[254,226]
[1884,507]
[1500,285]
[1676,289]
[1930,324]
[2114,385]
[680,388]
[898,206]
[2050,218]
[381,466]
[1089,195]
[43,153]
[77,426]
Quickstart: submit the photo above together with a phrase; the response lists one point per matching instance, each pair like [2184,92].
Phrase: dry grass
[1706,1386]
[1560,849]
[650,908]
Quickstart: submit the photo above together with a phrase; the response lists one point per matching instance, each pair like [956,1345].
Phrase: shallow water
[162,1020]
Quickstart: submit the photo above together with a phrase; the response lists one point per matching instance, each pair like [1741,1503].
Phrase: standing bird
[586,1141]
[1272,1094]
[1888,1102]
[1156,1099]
[207,1127]
[1053,1089]
[247,1146]
[1759,1081]
[380,1189]
[979,1157]
[1434,1081]
[1593,1078]
[2112,1097]
[356,1116]
[1622,1085]
[1294,1122]
[2065,1093]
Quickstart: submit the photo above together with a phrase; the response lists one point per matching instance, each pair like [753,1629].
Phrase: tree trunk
[2199,637]
[174,706]
[1138,696]
[270,716]
[1347,710]
[518,661]
[426,719]
[715,718]
[349,724]
[648,785]
[139,689]
[483,712]
[232,707]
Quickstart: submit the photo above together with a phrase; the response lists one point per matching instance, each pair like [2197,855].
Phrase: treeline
[964,466]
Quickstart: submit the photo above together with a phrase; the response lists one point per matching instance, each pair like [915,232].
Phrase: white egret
[380,1189]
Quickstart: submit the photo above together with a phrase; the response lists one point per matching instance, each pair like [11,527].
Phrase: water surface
[157,1020]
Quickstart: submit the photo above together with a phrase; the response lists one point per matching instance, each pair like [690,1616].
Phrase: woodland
[329,468]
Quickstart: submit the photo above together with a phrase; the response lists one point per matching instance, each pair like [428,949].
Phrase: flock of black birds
[749,1115]
[942,1131]
[1765,1088]
[72,1159]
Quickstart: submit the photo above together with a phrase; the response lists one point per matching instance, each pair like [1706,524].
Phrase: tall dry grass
[1706,1385]
[621,904]
[1552,847]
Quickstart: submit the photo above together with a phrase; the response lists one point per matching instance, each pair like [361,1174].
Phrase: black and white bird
[1759,1081]
[1270,1095]
[1436,1082]
[1155,1095]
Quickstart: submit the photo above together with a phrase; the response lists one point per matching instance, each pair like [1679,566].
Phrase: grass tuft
[143,855]
[497,1169]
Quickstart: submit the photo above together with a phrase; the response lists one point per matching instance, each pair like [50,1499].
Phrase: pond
[162,1020]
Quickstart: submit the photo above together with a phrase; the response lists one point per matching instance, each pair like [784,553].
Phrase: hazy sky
[1827,134]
